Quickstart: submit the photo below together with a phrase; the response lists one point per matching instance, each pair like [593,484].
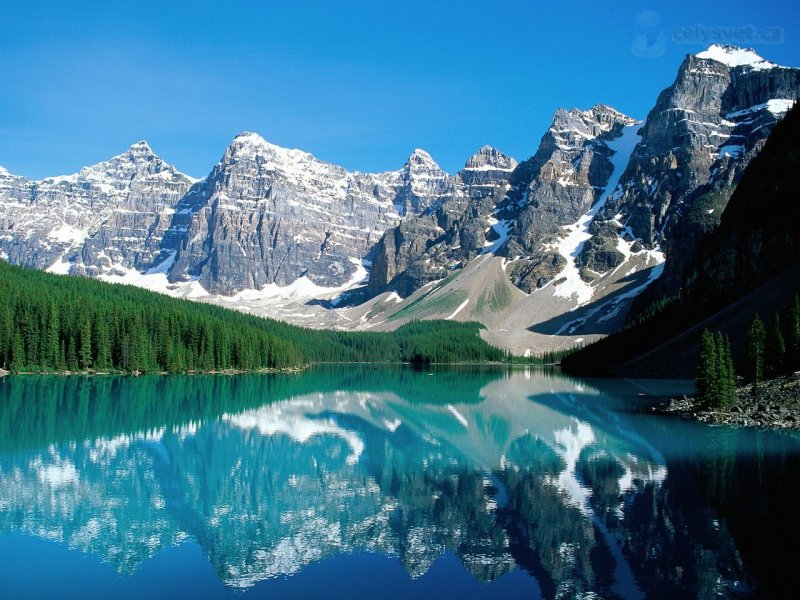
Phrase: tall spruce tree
[86,345]
[775,350]
[707,369]
[756,337]
[726,375]
[793,347]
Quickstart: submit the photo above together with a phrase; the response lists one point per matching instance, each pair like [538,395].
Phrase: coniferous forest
[52,323]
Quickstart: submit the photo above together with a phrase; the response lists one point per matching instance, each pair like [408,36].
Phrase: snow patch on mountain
[777,106]
[568,283]
[733,56]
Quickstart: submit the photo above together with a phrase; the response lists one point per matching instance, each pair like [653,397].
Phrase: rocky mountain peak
[140,148]
[139,160]
[420,158]
[490,158]
[250,144]
[572,126]
[609,115]
[734,56]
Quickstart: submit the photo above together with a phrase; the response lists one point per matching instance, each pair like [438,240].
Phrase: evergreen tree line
[771,352]
[774,351]
[53,323]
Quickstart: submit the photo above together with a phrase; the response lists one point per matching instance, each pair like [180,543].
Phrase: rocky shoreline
[778,406]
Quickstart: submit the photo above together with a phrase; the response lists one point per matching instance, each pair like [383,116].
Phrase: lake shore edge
[778,406]
[262,371]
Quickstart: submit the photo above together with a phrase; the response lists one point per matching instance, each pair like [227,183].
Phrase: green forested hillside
[55,323]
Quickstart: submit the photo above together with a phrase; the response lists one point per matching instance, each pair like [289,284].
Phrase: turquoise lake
[378,482]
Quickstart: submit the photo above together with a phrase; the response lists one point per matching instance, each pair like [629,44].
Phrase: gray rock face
[556,186]
[270,215]
[110,215]
[703,131]
[570,166]
[449,233]
[264,215]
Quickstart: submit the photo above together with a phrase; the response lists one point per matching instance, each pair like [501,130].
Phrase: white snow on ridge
[571,245]
[488,167]
[60,267]
[303,288]
[502,229]
[272,295]
[777,106]
[733,56]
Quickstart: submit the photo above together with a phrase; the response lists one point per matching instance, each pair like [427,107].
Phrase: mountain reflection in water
[270,474]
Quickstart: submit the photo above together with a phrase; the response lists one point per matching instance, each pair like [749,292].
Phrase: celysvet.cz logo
[650,36]
[735,35]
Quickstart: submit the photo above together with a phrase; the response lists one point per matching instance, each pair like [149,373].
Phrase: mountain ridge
[277,231]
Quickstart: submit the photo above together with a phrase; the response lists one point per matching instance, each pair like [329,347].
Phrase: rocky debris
[778,406]
[600,253]
[531,273]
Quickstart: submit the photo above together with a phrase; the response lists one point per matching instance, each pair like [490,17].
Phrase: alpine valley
[547,253]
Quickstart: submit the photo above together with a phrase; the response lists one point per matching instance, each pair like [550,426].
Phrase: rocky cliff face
[703,131]
[265,215]
[603,198]
[757,236]
[112,214]
[558,185]
[453,230]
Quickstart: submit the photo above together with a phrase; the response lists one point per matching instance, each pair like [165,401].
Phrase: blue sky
[358,83]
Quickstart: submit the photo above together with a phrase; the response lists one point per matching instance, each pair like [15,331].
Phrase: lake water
[346,482]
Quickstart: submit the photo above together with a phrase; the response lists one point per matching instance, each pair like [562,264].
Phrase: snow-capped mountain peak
[250,143]
[489,158]
[734,56]
[140,147]
[420,157]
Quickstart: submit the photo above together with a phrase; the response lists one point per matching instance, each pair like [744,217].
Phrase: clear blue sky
[358,83]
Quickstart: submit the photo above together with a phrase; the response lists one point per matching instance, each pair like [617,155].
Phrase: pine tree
[72,354]
[756,336]
[103,343]
[726,374]
[775,350]
[53,337]
[85,353]
[707,369]
[17,362]
[793,350]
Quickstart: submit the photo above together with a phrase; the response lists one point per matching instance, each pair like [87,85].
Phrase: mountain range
[547,252]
